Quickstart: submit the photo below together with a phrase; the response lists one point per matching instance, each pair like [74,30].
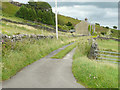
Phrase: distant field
[108,45]
[101,29]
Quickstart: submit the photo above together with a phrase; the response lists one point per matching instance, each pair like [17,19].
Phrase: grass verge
[91,73]
[17,55]
[62,53]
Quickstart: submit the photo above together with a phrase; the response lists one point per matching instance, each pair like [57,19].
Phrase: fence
[107,56]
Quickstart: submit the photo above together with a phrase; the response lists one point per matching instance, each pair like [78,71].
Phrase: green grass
[115,33]
[16,56]
[62,53]
[11,29]
[63,20]
[109,45]
[100,29]
[6,9]
[93,74]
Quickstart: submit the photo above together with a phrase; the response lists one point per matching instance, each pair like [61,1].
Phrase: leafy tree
[115,27]
[72,27]
[39,15]
[32,14]
[97,24]
[107,27]
[69,24]
[36,11]
[22,13]
[91,30]
[103,33]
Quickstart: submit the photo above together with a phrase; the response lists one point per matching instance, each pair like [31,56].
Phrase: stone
[94,46]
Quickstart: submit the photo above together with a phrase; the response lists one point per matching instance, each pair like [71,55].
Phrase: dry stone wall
[23,36]
[50,28]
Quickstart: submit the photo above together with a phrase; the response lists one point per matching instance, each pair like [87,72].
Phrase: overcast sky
[104,12]
[25,1]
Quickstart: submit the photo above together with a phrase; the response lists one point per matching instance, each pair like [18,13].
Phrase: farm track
[46,73]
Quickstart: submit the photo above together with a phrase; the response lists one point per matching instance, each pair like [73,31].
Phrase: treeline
[37,11]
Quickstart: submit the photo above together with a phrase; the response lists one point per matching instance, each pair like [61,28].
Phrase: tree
[107,27]
[115,27]
[40,14]
[32,14]
[103,33]
[36,11]
[97,24]
[22,12]
[69,24]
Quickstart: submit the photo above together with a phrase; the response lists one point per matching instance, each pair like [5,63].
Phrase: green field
[109,45]
[91,73]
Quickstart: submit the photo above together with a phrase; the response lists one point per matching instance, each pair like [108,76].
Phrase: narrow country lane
[46,73]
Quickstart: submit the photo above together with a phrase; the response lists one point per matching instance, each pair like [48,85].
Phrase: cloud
[105,16]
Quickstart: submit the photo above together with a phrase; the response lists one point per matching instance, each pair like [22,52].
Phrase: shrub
[107,27]
[115,27]
[97,24]
[103,33]
[69,24]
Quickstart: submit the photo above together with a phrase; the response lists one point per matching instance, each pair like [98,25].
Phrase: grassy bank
[91,73]
[12,29]
[62,53]
[20,54]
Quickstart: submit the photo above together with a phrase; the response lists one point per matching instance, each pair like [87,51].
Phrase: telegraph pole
[56,19]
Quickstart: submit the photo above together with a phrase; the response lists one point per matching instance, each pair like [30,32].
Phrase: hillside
[62,20]
[100,29]
[9,9]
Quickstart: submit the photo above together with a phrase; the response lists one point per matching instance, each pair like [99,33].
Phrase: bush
[103,33]
[115,27]
[97,24]
[107,27]
[69,24]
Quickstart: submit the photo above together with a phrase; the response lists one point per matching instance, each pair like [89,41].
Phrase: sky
[104,12]
[25,1]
